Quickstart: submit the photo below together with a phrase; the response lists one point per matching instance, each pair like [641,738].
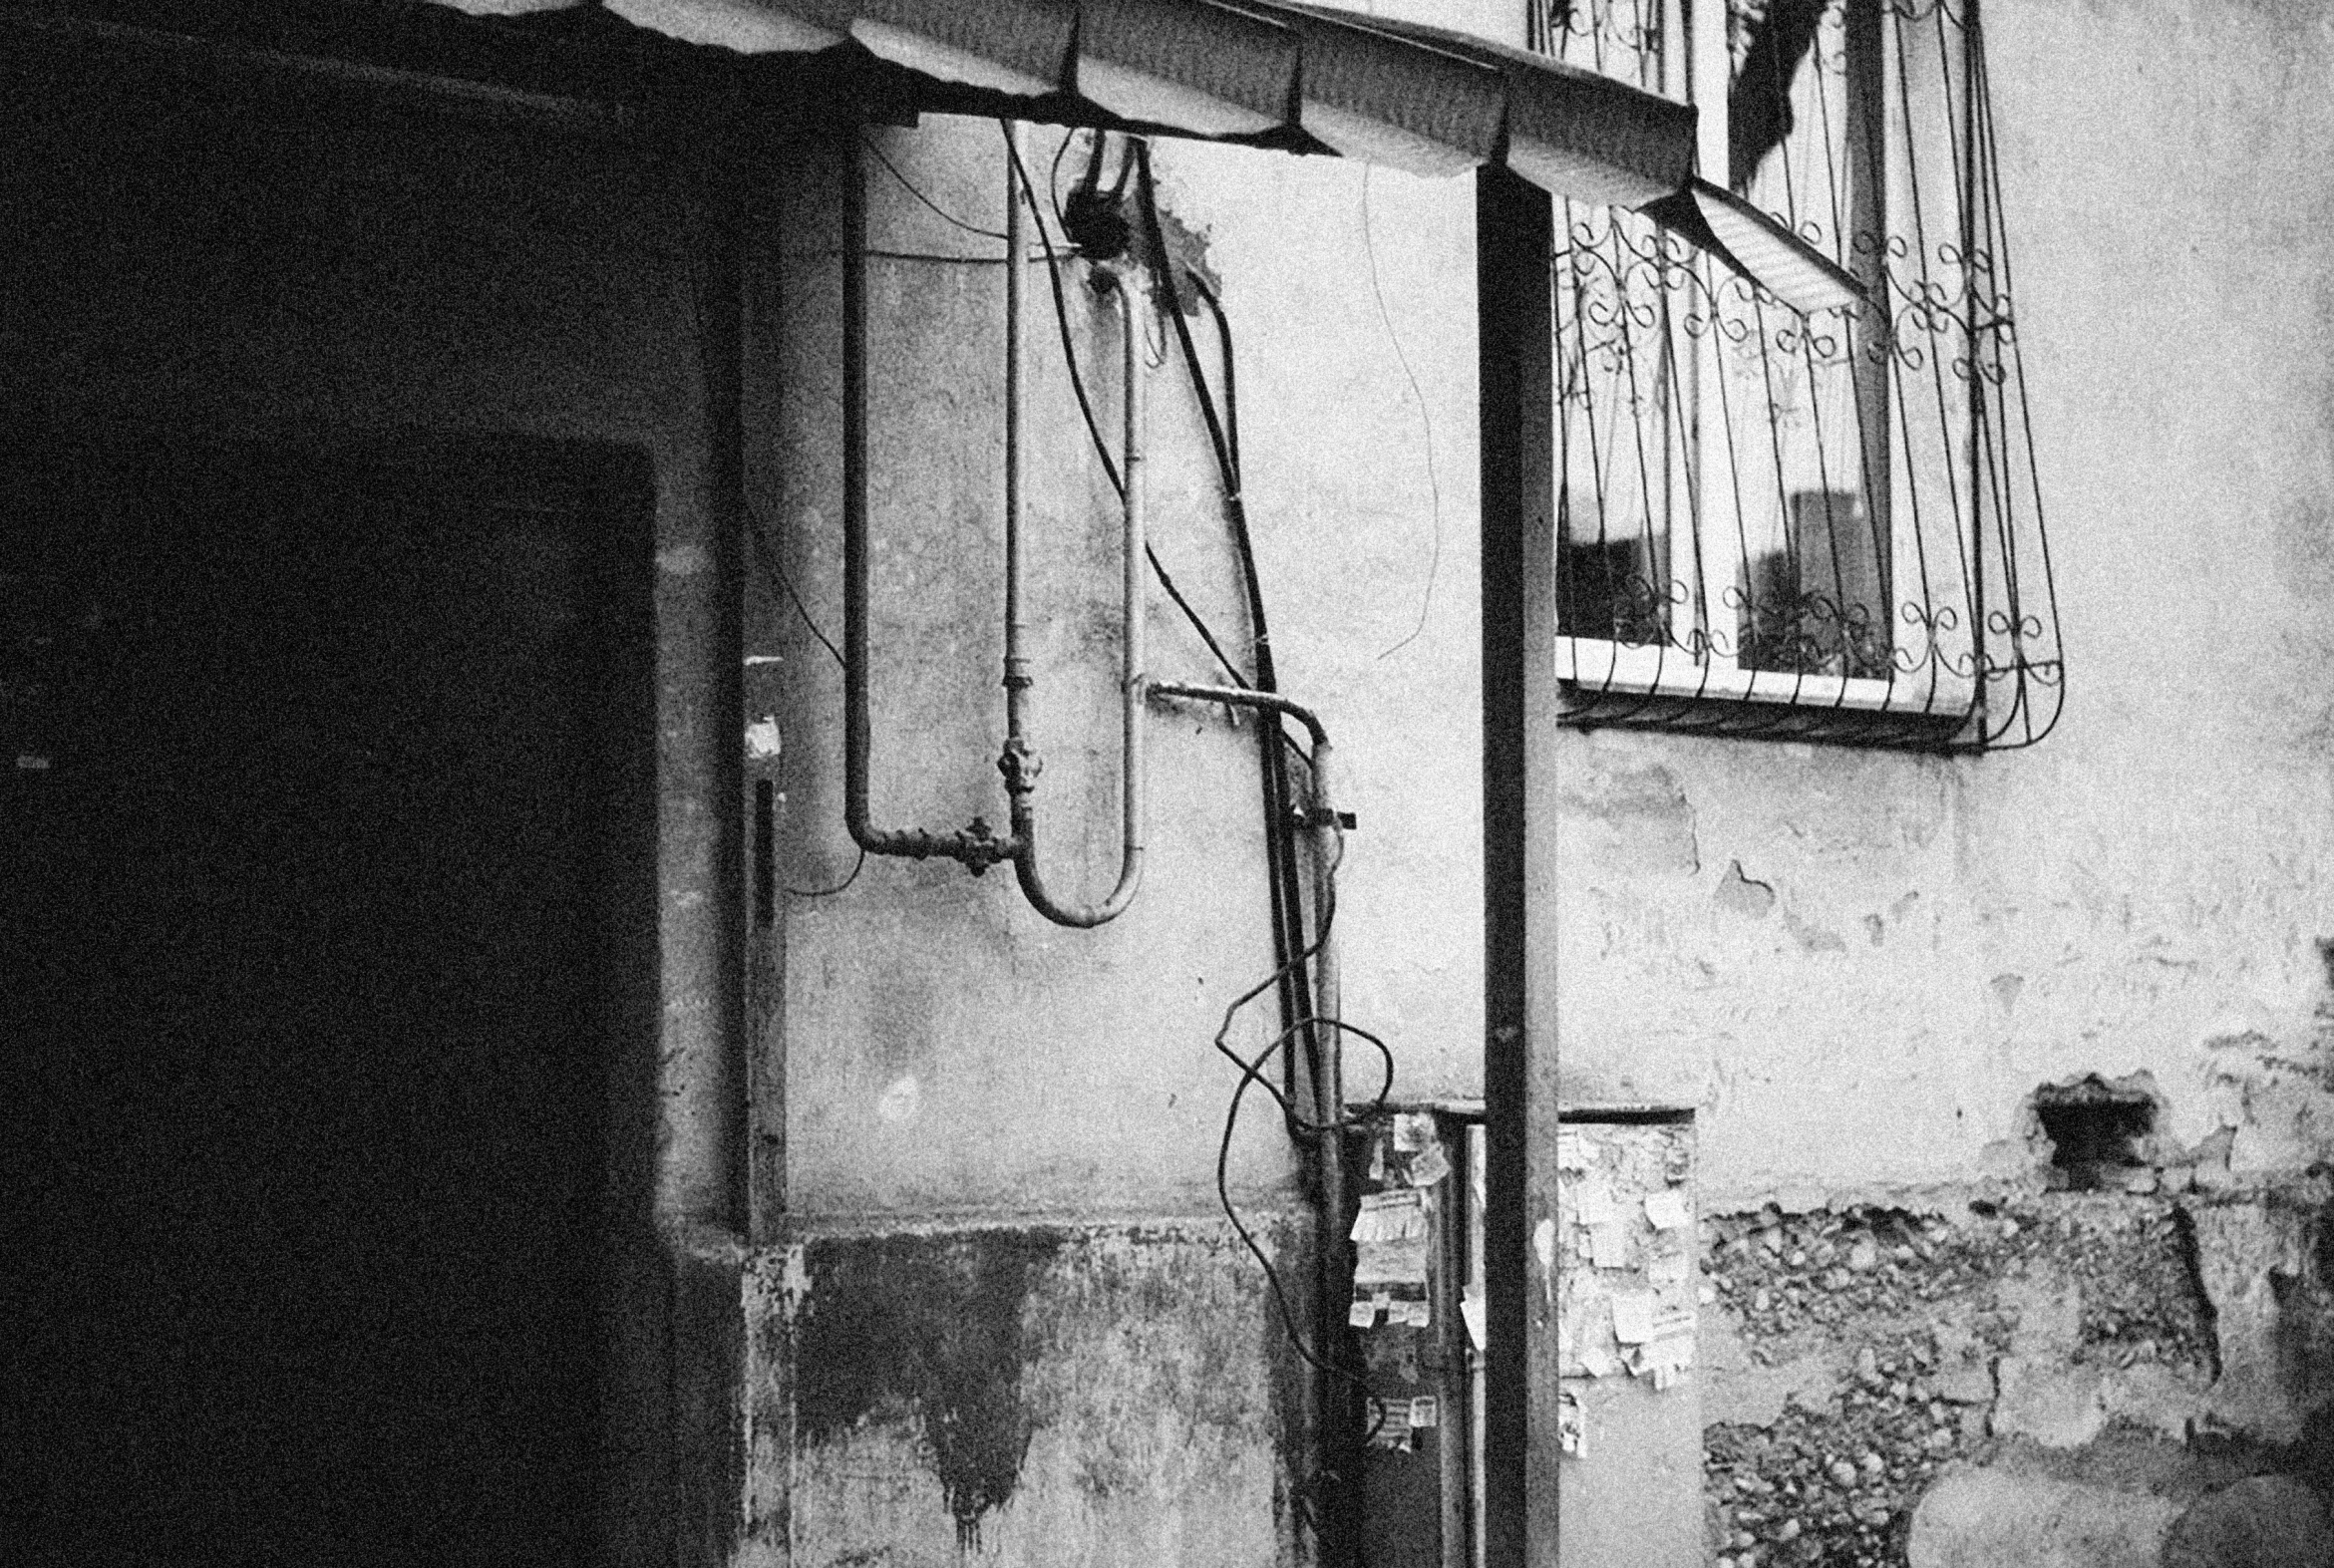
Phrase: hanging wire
[909,186]
[1101,449]
[1426,417]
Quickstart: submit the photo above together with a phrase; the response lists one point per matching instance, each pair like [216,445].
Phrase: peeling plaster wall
[1003,1064]
[961,1076]
[1859,966]
[1855,966]
[1075,1396]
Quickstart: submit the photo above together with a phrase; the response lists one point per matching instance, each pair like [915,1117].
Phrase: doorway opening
[326,847]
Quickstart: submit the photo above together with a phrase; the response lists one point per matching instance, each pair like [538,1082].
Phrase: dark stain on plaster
[930,1325]
[1812,938]
[1187,250]
[2305,551]
[1743,895]
[2183,1225]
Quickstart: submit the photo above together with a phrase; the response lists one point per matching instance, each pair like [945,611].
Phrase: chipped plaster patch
[901,1099]
[1741,895]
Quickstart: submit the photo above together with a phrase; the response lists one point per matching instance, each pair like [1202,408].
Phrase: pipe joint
[979,848]
[1021,766]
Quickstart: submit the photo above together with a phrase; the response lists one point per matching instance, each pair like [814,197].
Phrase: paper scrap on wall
[1473,1312]
[1390,1423]
[1389,1237]
[1667,1209]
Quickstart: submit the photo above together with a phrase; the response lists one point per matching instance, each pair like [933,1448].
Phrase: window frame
[1935,609]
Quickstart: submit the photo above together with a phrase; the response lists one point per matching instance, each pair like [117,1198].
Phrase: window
[1760,513]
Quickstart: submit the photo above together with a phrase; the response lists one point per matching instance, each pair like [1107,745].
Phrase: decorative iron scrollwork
[1827,526]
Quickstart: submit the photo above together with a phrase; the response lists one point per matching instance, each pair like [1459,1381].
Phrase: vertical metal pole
[1453,1447]
[1514,229]
[1016,371]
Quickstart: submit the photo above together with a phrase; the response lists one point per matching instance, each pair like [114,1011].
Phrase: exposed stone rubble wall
[2056,1378]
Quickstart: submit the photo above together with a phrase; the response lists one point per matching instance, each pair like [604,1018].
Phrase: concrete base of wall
[1080,1397]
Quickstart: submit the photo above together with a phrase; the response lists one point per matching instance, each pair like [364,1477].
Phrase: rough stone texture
[2262,1263]
[2058,1405]
[1987,1519]
[1854,1356]
[2263,1521]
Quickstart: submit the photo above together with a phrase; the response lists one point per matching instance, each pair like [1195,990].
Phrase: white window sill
[1663,671]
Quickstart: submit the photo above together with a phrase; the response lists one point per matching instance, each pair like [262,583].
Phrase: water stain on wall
[928,1328]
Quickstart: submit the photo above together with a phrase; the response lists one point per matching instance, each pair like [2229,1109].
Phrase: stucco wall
[1856,965]
[1859,966]
[959,1077]
[947,1048]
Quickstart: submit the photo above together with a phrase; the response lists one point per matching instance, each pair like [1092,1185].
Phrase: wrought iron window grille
[1822,527]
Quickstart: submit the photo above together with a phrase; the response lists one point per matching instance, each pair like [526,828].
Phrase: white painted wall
[1919,943]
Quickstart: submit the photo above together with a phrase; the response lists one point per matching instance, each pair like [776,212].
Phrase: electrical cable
[1252,1074]
[909,185]
[1298,1017]
[858,865]
[1054,179]
[767,555]
[1286,889]
[1094,426]
[1426,418]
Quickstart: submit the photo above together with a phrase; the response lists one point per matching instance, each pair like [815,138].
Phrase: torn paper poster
[1571,1150]
[1473,1312]
[1608,1246]
[1424,1411]
[1667,1209]
[1668,1268]
[1664,1359]
[1429,1166]
[1390,1423]
[1592,1204]
[1389,1237]
[1390,1215]
[1362,1314]
[1598,1362]
[1633,1314]
[1413,1313]
[1571,1428]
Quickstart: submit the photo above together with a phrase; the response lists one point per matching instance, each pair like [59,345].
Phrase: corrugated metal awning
[1422,99]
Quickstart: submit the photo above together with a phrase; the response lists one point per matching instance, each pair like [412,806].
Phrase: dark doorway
[312,865]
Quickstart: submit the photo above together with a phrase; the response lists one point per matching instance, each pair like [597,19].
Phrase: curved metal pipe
[1245,696]
[1018,763]
[974,845]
